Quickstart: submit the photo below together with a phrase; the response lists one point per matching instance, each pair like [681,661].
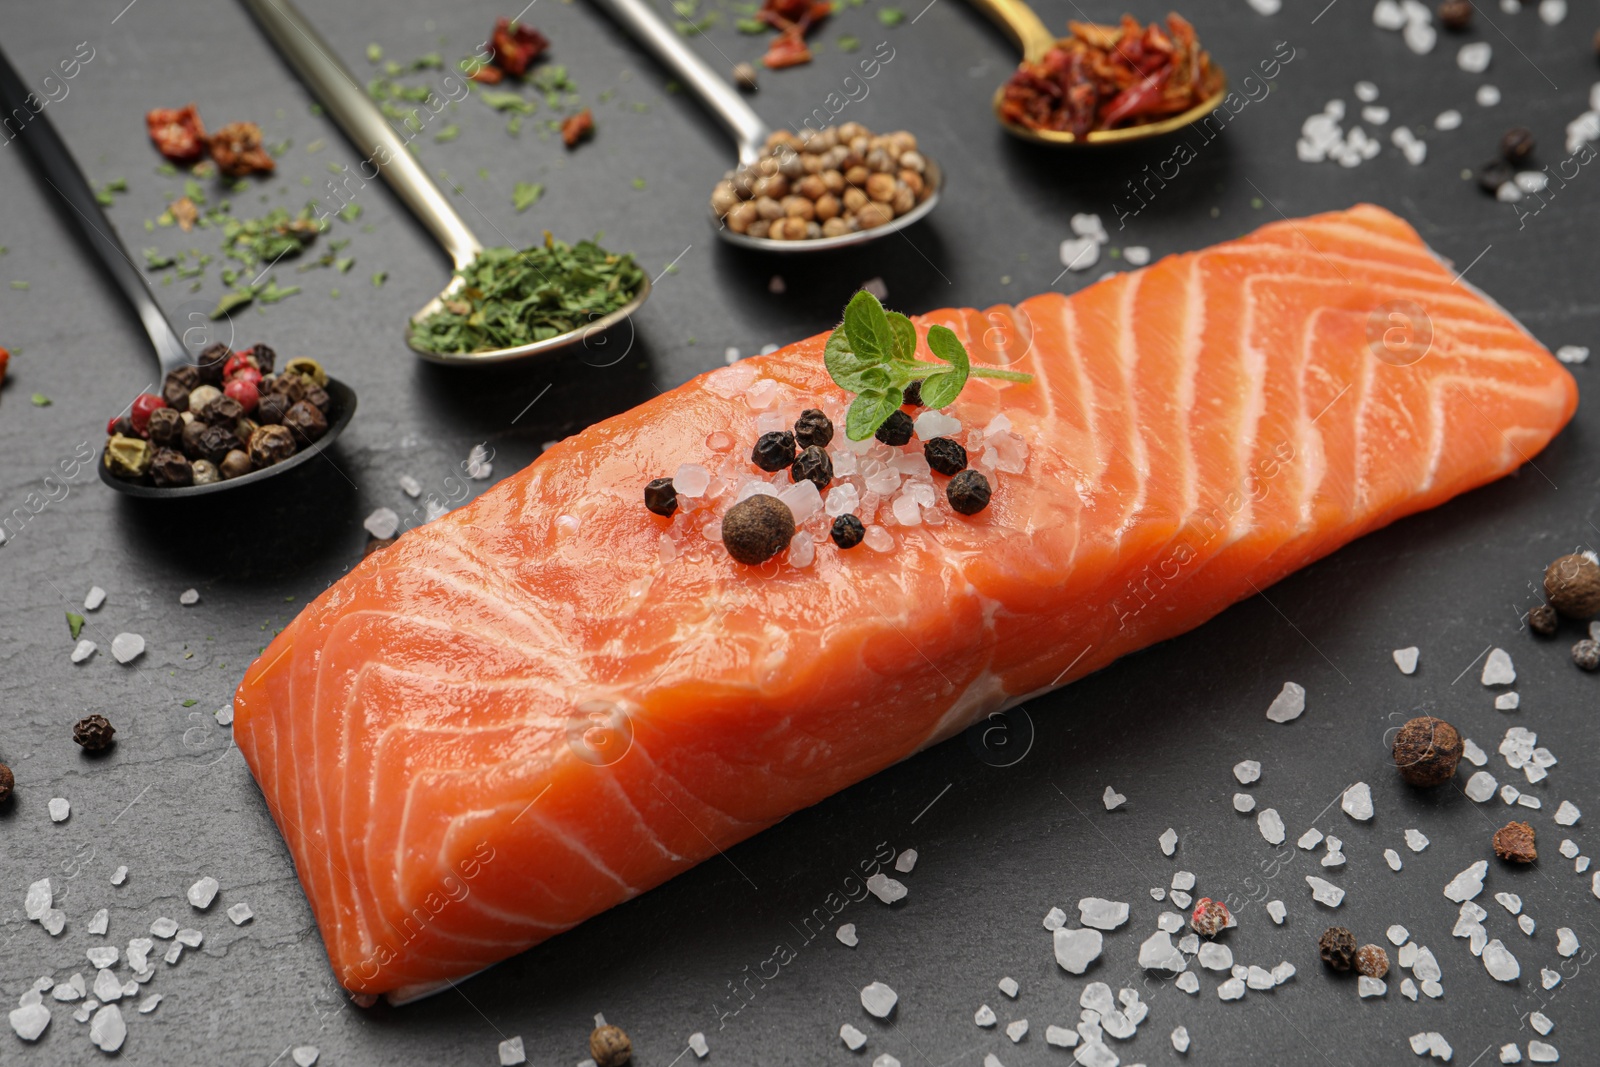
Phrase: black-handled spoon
[60,171]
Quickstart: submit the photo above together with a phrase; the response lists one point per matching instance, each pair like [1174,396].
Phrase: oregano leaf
[905,337]
[867,327]
[941,390]
[869,410]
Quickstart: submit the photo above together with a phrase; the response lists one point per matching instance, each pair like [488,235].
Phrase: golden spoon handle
[1021,24]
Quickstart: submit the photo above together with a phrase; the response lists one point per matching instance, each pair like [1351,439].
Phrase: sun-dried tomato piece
[177,132]
[576,127]
[238,152]
[788,49]
[513,46]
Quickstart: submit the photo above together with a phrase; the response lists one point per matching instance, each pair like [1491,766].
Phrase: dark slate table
[999,845]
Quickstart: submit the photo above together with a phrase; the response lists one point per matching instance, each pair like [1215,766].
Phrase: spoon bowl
[1023,26]
[346,99]
[749,131]
[61,171]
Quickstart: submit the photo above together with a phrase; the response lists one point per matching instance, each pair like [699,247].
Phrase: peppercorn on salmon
[552,699]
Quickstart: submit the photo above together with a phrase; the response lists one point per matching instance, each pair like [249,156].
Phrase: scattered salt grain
[383,523]
[1324,891]
[1420,37]
[1539,1051]
[1572,354]
[1468,884]
[1416,840]
[1388,15]
[1510,1054]
[1371,987]
[886,889]
[55,920]
[1499,962]
[984,1016]
[1447,120]
[96,597]
[1270,823]
[409,486]
[512,1052]
[1474,58]
[1528,800]
[97,927]
[30,1020]
[1497,669]
[1480,787]
[103,956]
[1473,753]
[85,648]
[1102,914]
[1406,659]
[691,480]
[1566,942]
[853,1039]
[106,986]
[1552,12]
[878,539]
[1375,114]
[1232,989]
[107,1030]
[1357,802]
[879,1000]
[1507,702]
[1159,954]
[1079,253]
[1247,771]
[1244,803]
[59,808]
[1567,814]
[148,1004]
[1017,1030]
[305,1055]
[1288,704]
[1392,858]
[1180,898]
[1188,982]
[1488,96]
[163,928]
[1055,919]
[1169,841]
[203,892]
[1215,957]
[1277,911]
[127,647]
[1136,255]
[1526,924]
[189,597]
[1310,839]
[1008,986]
[1076,949]
[1183,880]
[240,913]
[1549,979]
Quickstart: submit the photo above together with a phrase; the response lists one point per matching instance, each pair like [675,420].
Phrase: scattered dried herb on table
[513,298]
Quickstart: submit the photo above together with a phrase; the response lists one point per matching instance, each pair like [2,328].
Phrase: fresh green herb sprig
[872,354]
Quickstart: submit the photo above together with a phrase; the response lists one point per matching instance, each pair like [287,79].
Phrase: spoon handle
[1021,24]
[383,150]
[720,98]
[58,168]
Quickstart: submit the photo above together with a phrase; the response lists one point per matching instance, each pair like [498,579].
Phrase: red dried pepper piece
[177,133]
[238,152]
[487,75]
[5,358]
[513,46]
[788,49]
[576,127]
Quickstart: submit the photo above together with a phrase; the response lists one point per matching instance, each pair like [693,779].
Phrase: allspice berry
[1455,14]
[1572,583]
[1338,948]
[1427,750]
[1513,843]
[94,733]
[757,528]
[1372,961]
[610,1047]
[8,784]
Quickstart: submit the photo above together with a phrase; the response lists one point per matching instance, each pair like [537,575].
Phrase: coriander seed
[847,531]
[660,497]
[945,455]
[813,428]
[1372,961]
[1572,583]
[968,492]
[94,733]
[757,528]
[1337,946]
[1586,654]
[773,451]
[813,465]
[171,469]
[1427,751]
[1514,843]
[1542,620]
[610,1047]
[896,429]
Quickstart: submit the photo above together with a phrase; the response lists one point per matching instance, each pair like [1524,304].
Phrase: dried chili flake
[238,152]
[513,46]
[487,75]
[788,49]
[1105,77]
[177,132]
[575,128]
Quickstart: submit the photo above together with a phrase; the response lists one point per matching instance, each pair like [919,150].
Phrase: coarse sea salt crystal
[889,890]
[1480,787]
[1526,924]
[879,1000]
[1569,847]
[383,523]
[1371,987]
[1566,942]
[1244,803]
[1392,858]
[1169,841]
[85,648]
[761,395]
[1474,58]
[1277,911]
[1416,841]
[1270,823]
[1406,659]
[1079,253]
[1076,949]
[1549,979]
[60,808]
[1357,802]
[1247,771]
[305,1055]
[1388,15]
[1112,799]
[1232,989]
[240,913]
[1055,919]
[1288,704]
[1375,114]
[1420,37]
[1473,753]
[1183,880]
[1468,884]
[984,1016]
[38,900]
[1324,891]
[1497,669]
[1528,800]
[1215,957]
[1567,814]
[512,1052]
[932,423]
[127,647]
[1552,12]
[1572,354]
[1102,914]
[853,1039]
[163,928]
[1008,986]
[1487,96]
[1016,1030]
[1158,953]
[1447,120]
[1310,839]
[1136,255]
[203,892]
[878,539]
[94,599]
[1500,963]
[692,480]
[803,500]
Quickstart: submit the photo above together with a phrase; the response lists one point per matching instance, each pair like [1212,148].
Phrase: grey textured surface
[999,845]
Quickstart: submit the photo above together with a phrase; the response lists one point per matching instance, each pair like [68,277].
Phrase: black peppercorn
[913,394]
[1586,654]
[1517,144]
[166,427]
[847,531]
[1427,751]
[272,407]
[188,377]
[209,365]
[1494,174]
[1338,948]
[1542,620]
[171,469]
[945,455]
[94,733]
[192,429]
[813,428]
[773,451]
[271,444]
[318,398]
[214,442]
[175,393]
[968,492]
[757,528]
[234,465]
[813,465]
[896,429]
[223,411]
[265,358]
[1455,14]
[290,385]
[660,497]
[306,422]
[8,784]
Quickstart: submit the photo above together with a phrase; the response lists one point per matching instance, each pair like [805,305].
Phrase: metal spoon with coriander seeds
[1024,27]
[61,171]
[369,131]
[754,137]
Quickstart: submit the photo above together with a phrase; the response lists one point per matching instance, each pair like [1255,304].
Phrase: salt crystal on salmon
[526,712]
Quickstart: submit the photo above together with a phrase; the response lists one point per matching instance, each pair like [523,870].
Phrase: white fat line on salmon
[702,833]
[427,909]
[853,890]
[1299,232]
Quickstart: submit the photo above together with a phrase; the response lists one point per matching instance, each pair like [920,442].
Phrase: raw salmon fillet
[1196,431]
